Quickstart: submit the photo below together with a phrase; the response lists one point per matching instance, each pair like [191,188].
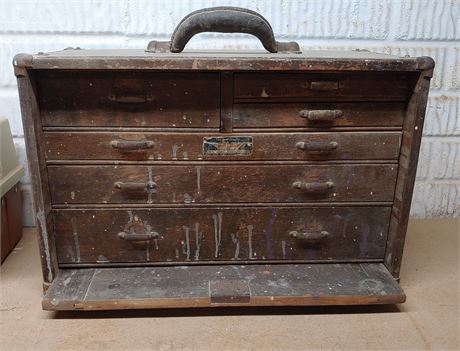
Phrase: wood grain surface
[180,146]
[286,115]
[320,87]
[204,234]
[220,183]
[136,99]
[217,286]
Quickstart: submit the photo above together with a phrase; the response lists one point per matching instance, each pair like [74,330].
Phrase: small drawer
[129,99]
[320,87]
[318,115]
[220,234]
[209,184]
[61,146]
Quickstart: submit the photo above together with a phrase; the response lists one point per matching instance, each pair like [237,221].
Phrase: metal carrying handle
[133,186]
[318,146]
[321,115]
[132,144]
[314,187]
[309,236]
[223,19]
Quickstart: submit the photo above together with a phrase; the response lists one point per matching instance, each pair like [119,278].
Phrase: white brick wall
[416,27]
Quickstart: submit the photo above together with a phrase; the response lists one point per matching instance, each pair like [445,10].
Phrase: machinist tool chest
[165,178]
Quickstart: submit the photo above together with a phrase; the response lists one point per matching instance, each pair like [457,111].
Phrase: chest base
[223,285]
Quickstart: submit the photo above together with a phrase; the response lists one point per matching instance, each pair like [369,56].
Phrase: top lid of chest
[170,55]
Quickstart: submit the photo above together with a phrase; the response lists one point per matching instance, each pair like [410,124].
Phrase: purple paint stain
[269,233]
[363,243]
[311,254]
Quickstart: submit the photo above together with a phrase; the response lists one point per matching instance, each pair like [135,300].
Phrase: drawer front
[192,235]
[200,146]
[129,99]
[320,87]
[178,184]
[318,115]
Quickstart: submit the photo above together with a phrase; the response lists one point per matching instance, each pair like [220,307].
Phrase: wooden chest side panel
[32,123]
[411,141]
[177,184]
[129,99]
[194,235]
[189,146]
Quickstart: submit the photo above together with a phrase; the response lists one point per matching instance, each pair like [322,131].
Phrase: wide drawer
[318,115]
[229,234]
[204,183]
[201,146]
[321,87]
[129,99]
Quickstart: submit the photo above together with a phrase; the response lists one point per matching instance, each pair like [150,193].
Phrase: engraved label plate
[228,146]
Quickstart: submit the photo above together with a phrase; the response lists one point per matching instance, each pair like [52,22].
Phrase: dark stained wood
[226,98]
[180,146]
[71,284]
[32,124]
[91,236]
[220,183]
[94,203]
[146,99]
[412,135]
[4,234]
[286,115]
[11,215]
[314,60]
[230,285]
[285,87]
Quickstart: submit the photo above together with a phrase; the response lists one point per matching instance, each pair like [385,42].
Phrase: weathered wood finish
[215,286]
[320,87]
[226,98]
[189,147]
[229,234]
[136,99]
[38,176]
[412,136]
[82,100]
[286,115]
[309,61]
[214,184]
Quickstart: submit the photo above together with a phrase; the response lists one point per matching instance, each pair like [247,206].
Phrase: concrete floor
[429,320]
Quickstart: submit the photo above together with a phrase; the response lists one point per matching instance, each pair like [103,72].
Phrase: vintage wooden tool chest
[165,178]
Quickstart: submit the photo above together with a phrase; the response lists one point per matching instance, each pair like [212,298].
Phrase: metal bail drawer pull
[318,146]
[314,187]
[309,236]
[130,99]
[132,144]
[136,230]
[321,115]
[138,236]
[324,85]
[132,186]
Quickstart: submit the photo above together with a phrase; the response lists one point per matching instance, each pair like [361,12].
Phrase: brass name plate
[228,146]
